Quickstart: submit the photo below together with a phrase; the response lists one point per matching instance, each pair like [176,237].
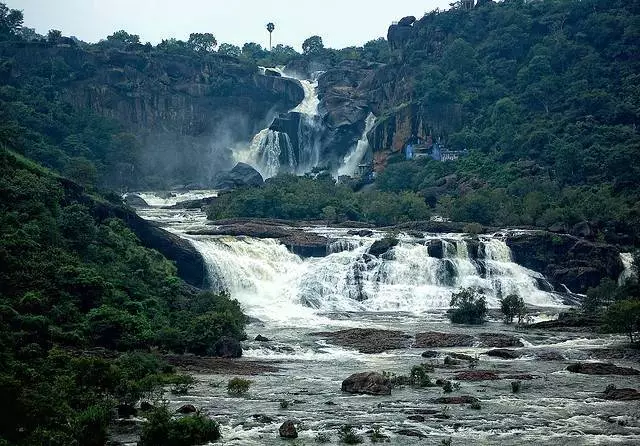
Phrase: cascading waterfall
[356,155]
[275,285]
[630,269]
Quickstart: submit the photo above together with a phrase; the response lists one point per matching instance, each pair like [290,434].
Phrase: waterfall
[273,284]
[356,155]
[630,269]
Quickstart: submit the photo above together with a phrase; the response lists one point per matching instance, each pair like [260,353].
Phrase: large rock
[370,383]
[499,340]
[227,348]
[600,368]
[136,201]
[383,246]
[241,175]
[504,353]
[368,340]
[288,430]
[612,393]
[477,375]
[566,260]
[464,399]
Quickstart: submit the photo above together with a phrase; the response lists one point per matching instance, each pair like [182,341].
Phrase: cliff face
[186,111]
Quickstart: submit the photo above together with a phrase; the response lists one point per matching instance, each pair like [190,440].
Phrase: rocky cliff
[187,111]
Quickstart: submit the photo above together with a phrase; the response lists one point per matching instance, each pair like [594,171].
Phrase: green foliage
[10,22]
[304,198]
[419,377]
[202,42]
[312,45]
[468,306]
[348,435]
[624,317]
[238,386]
[162,430]
[513,306]
[229,49]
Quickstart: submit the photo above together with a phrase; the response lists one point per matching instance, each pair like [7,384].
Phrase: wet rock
[476,375]
[135,200]
[288,430]
[521,377]
[411,433]
[464,399]
[370,383]
[193,204]
[368,340]
[612,393]
[383,246]
[461,356]
[430,354]
[227,347]
[584,230]
[261,338]
[187,408]
[434,249]
[418,418]
[439,339]
[499,340]
[600,368]
[241,175]
[330,403]
[504,353]
[549,356]
[568,320]
[262,418]
[361,232]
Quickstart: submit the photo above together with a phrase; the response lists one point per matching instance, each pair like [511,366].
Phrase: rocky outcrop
[383,246]
[241,175]
[464,399]
[186,110]
[612,393]
[477,375]
[370,383]
[368,340]
[498,340]
[298,241]
[566,260]
[227,347]
[600,368]
[399,34]
[136,201]
[439,339]
[504,353]
[187,408]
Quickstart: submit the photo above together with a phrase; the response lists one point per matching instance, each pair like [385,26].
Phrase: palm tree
[270,28]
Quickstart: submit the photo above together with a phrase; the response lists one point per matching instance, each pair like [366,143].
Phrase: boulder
[612,393]
[477,375]
[439,339]
[461,356]
[272,72]
[584,230]
[434,249]
[135,201]
[430,354]
[241,175]
[504,353]
[370,383]
[187,408]
[601,368]
[383,246]
[418,418]
[464,399]
[288,430]
[549,355]
[407,21]
[262,418]
[361,232]
[261,338]
[193,204]
[227,347]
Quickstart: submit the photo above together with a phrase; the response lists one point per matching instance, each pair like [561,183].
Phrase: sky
[340,23]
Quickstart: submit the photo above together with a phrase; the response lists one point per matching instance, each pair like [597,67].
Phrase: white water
[630,269]
[356,155]
[276,285]
[170,198]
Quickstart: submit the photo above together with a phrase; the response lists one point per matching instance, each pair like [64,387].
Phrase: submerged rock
[612,393]
[368,340]
[288,430]
[460,356]
[430,354]
[504,353]
[411,433]
[476,375]
[499,340]
[187,408]
[439,339]
[464,399]
[370,383]
[261,338]
[600,368]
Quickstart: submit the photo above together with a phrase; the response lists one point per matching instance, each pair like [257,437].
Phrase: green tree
[124,37]
[624,317]
[54,36]
[468,306]
[202,42]
[229,49]
[312,45]
[10,22]
[513,306]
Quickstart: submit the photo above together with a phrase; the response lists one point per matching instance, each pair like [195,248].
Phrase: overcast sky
[340,23]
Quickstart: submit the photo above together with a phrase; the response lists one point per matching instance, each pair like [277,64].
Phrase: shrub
[624,317]
[512,306]
[284,404]
[419,376]
[476,405]
[516,386]
[468,306]
[377,436]
[447,387]
[348,435]
[238,386]
[162,430]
